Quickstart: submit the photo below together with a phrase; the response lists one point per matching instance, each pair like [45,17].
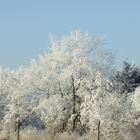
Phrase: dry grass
[41,135]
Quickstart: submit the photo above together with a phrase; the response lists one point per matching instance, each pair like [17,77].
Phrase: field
[41,135]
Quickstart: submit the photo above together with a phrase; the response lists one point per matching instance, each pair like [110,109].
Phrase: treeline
[73,88]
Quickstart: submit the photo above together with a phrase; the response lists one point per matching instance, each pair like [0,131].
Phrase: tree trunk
[18,124]
[98,136]
[60,89]
[18,130]
[73,104]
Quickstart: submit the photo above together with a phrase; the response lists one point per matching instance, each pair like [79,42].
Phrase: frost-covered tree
[137,99]
[75,60]
[111,115]
[66,71]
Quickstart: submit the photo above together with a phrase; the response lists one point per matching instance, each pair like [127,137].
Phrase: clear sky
[25,26]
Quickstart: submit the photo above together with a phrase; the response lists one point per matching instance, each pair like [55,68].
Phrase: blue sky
[25,26]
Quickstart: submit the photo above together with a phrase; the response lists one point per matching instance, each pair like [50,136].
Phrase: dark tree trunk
[73,104]
[18,130]
[18,124]
[98,136]
[60,89]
